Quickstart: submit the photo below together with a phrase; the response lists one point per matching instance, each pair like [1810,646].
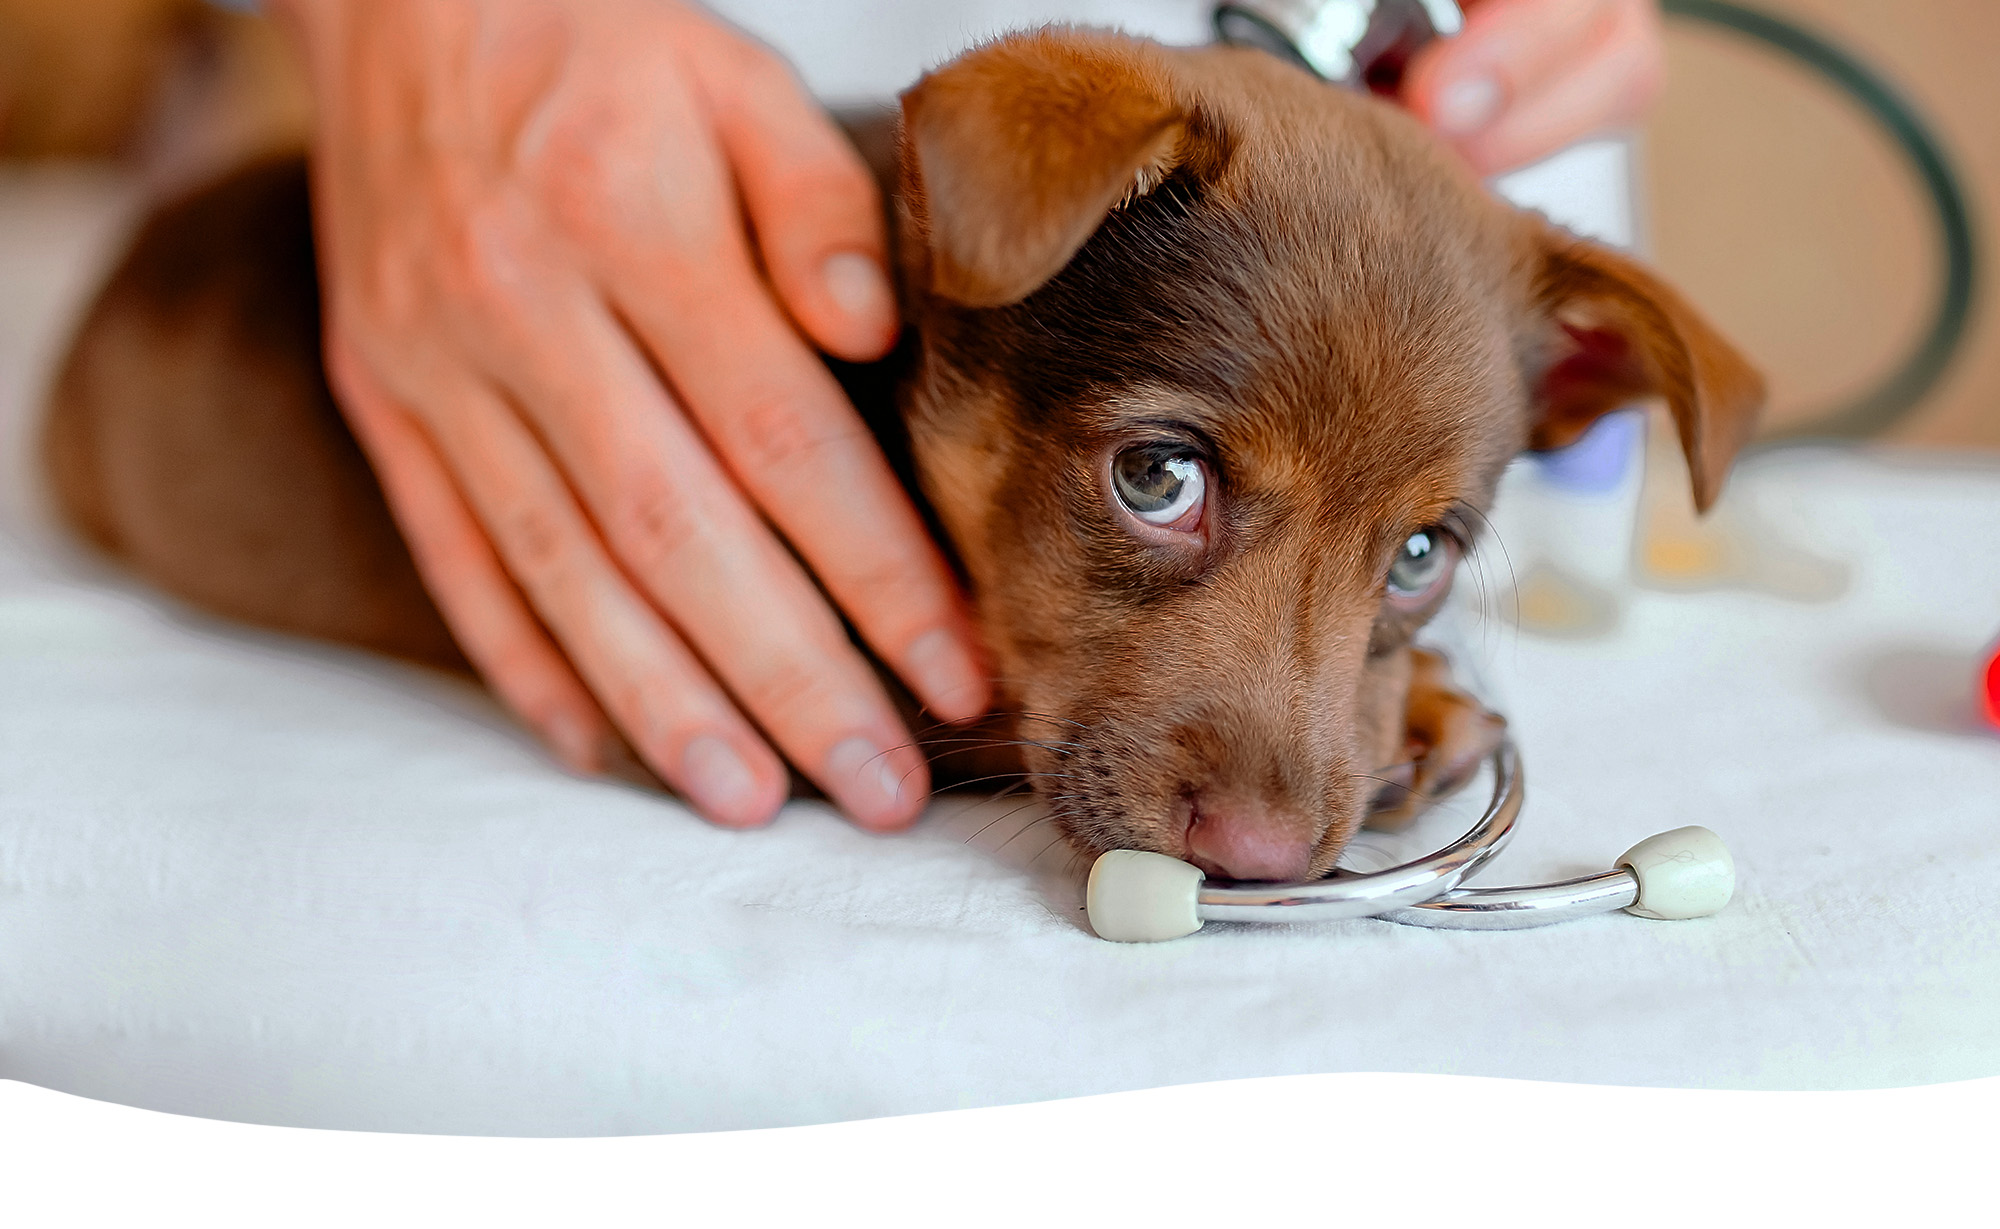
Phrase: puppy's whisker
[1028,716]
[1009,710]
[1004,793]
[1008,776]
[972,745]
[1492,535]
[1060,838]
[1025,828]
[976,743]
[1364,776]
[996,819]
[1012,791]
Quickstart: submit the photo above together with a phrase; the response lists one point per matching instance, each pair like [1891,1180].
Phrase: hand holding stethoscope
[1512,81]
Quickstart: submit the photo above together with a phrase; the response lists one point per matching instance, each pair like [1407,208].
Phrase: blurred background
[1795,222]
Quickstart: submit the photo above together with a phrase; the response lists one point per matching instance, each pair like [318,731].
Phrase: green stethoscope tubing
[1903,388]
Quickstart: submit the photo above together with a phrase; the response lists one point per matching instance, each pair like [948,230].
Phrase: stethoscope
[1139,897]
[1344,41]
[1135,896]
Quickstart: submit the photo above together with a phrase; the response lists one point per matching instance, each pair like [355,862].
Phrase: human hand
[573,253]
[1527,77]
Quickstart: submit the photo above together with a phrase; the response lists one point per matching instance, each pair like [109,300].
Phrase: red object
[1990,693]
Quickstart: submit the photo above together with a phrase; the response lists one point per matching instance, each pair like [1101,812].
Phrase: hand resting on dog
[576,258]
[1210,374]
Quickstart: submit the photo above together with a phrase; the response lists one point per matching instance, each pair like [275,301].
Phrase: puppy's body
[1131,274]
[194,435]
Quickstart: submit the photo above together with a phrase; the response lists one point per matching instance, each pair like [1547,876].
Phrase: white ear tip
[1140,897]
[1684,873]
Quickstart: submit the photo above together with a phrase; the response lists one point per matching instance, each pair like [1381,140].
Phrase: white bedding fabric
[245,877]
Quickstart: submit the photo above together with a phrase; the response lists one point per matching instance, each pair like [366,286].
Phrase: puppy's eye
[1159,485]
[1422,565]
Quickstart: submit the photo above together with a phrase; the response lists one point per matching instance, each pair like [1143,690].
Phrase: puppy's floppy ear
[1616,333]
[1014,152]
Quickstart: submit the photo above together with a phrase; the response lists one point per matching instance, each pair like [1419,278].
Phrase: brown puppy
[1212,372]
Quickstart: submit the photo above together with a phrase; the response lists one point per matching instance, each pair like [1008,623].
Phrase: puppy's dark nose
[1234,837]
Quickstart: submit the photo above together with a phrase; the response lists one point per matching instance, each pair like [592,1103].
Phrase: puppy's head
[1219,368]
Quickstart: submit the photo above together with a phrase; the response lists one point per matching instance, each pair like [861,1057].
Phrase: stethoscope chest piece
[1355,43]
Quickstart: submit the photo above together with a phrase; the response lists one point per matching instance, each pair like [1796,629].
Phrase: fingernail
[858,288]
[1467,105]
[718,782]
[868,783]
[945,675]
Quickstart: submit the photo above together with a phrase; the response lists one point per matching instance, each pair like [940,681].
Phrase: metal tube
[1518,908]
[1345,896]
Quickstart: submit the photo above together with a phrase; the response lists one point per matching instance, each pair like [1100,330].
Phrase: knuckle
[537,547]
[789,686]
[655,522]
[580,179]
[889,594]
[485,254]
[653,720]
[657,717]
[645,712]
[602,187]
[833,179]
[511,662]
[520,670]
[772,436]
[386,289]
[844,211]
[770,433]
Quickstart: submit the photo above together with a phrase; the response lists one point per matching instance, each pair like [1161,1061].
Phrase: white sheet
[250,878]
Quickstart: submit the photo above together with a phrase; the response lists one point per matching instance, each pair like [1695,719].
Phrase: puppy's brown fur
[1104,244]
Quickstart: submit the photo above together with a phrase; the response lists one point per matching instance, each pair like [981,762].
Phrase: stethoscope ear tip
[1685,873]
[1140,897]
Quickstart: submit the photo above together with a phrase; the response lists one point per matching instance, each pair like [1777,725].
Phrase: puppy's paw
[1447,735]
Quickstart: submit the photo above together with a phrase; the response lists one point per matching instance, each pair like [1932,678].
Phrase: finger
[779,421]
[803,455]
[1508,50]
[674,716]
[1612,84]
[484,610]
[813,204]
[680,276]
[685,536]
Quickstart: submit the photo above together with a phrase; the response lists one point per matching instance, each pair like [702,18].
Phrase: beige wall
[1798,228]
